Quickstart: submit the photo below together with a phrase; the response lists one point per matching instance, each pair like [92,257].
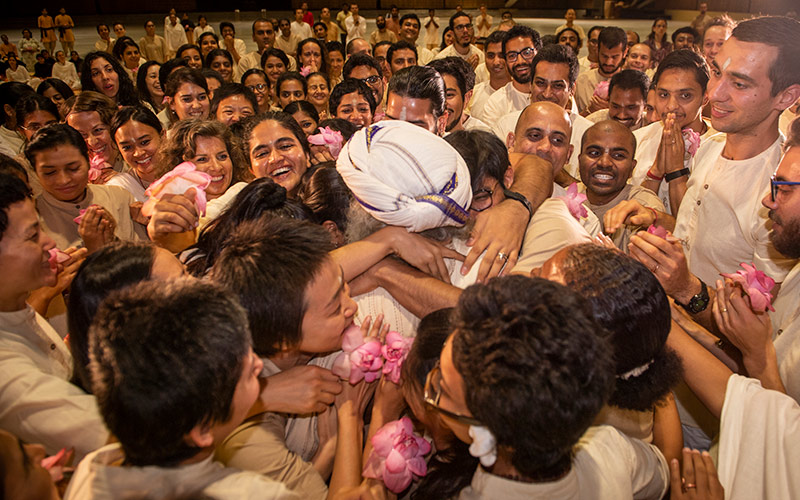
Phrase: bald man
[606,162]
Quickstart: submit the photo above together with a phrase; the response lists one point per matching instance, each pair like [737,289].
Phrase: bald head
[606,160]
[543,129]
[613,128]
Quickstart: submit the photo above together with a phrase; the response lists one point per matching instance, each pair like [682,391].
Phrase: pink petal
[418,466]
[758,302]
[658,231]
[601,89]
[397,482]
[341,366]
[374,467]
[177,181]
[395,462]
[60,458]
[356,375]
[352,338]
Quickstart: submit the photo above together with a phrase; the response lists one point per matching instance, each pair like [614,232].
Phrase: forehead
[608,137]
[363,72]
[352,99]
[292,85]
[617,49]
[641,50]
[58,155]
[748,58]
[628,95]
[519,42]
[402,53]
[674,78]
[413,107]
[411,22]
[789,167]
[547,121]
[552,71]
[270,131]
[494,47]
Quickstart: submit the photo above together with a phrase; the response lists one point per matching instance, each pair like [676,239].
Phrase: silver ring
[655,269]
[724,310]
[501,255]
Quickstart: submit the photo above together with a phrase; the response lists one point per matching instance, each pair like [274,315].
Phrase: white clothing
[758,453]
[105,46]
[483,32]
[481,73]
[602,115]
[424,55]
[99,477]
[11,143]
[289,46]
[37,402]
[480,95]
[606,465]
[472,123]
[590,223]
[432,32]
[20,75]
[238,44]
[67,73]
[727,194]
[131,183]
[787,117]
[585,64]
[585,85]
[175,37]
[198,30]
[355,30]
[215,207]
[786,332]
[503,102]
[451,51]
[302,29]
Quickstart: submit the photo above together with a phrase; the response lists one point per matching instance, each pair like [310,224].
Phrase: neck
[592,58]
[461,49]
[596,199]
[288,359]
[522,87]
[698,125]
[12,301]
[496,81]
[750,143]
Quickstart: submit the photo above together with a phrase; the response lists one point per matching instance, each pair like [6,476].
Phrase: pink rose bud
[574,201]
[658,231]
[601,90]
[397,455]
[757,285]
[177,181]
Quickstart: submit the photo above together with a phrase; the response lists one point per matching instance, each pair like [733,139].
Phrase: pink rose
[755,284]
[574,201]
[305,70]
[358,359]
[56,258]
[658,231]
[395,351]
[79,218]
[332,139]
[96,166]
[56,464]
[691,141]
[601,90]
[177,181]
[397,455]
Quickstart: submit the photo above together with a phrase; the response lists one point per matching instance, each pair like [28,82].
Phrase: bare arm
[667,432]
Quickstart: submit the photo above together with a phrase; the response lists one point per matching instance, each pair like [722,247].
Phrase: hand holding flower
[397,455]
[574,201]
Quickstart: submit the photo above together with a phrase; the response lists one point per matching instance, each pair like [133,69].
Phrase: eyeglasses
[433,392]
[462,27]
[526,53]
[260,87]
[773,186]
[370,80]
[33,127]
[482,199]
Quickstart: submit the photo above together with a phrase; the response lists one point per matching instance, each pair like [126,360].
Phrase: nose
[543,146]
[274,155]
[716,89]
[768,202]
[604,160]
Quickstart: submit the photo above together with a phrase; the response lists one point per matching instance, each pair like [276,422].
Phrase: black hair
[455,16]
[232,89]
[323,50]
[597,27]
[327,195]
[114,266]
[357,60]
[204,35]
[227,24]
[259,198]
[137,114]
[188,46]
[167,68]
[320,23]
[291,75]
[11,93]
[97,28]
[483,152]
[341,125]
[214,53]
[141,84]
[420,82]
[254,71]
[780,32]
[686,29]
[611,36]
[558,54]
[60,86]
[284,119]
[214,74]
[10,166]
[495,37]
[54,135]
[34,102]
[687,60]
[459,69]
[126,95]
[273,52]
[269,264]
[652,34]
[520,30]
[202,359]
[304,107]
[577,35]
[529,346]
[335,46]
[630,79]
[12,190]
[401,45]
[348,86]
[629,302]
[447,29]
[121,44]
[410,15]
[181,76]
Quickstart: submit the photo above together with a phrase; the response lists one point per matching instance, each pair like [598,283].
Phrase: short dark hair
[455,16]
[54,135]
[638,323]
[261,20]
[780,32]
[348,86]
[167,68]
[495,37]
[357,60]
[596,28]
[320,23]
[381,44]
[187,46]
[686,29]
[232,89]
[483,152]
[611,36]
[189,377]
[273,52]
[630,79]
[401,45]
[520,30]
[254,71]
[121,44]
[529,346]
[12,190]
[207,34]
[226,24]
[335,46]
[410,15]
[98,27]
[687,60]
[291,75]
[269,264]
[327,195]
[134,114]
[11,93]
[558,54]
[420,82]
[577,35]
[459,69]
[10,166]
[346,128]
[34,102]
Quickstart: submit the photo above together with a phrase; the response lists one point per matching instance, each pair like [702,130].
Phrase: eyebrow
[742,76]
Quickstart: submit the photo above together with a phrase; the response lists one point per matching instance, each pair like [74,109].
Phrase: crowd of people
[459,263]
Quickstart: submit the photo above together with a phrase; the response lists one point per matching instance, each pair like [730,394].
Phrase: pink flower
[330,138]
[177,181]
[305,70]
[396,456]
[56,258]
[358,359]
[756,284]
[79,218]
[658,231]
[574,201]
[96,166]
[395,351]
[691,141]
[601,90]
[55,464]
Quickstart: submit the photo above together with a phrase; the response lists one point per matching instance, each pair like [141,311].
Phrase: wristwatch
[699,302]
[520,198]
[678,173]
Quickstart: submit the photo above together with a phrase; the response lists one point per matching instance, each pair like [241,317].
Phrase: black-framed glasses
[433,392]
[526,53]
[260,87]
[462,27]
[482,200]
[773,186]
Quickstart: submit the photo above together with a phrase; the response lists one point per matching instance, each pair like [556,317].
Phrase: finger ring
[501,255]
[724,310]
[689,486]
[655,269]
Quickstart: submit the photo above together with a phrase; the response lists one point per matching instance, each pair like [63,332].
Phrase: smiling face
[318,92]
[543,129]
[369,75]
[153,83]
[258,84]
[138,143]
[103,31]
[306,122]
[329,310]
[785,209]
[713,38]
[626,106]
[119,30]
[190,101]
[276,153]
[639,58]
[494,60]
[606,160]
[335,63]
[223,66]
[104,78]
[354,108]
[207,44]
[234,108]
[274,68]
[212,157]
[193,58]
[679,92]
[454,102]
[34,121]
[290,91]
[520,67]
[409,30]
[551,83]
[96,134]
[63,172]
[684,41]
[130,56]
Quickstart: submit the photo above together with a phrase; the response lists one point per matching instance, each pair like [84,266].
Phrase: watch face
[698,304]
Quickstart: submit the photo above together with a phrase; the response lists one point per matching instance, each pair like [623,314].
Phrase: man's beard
[788,242]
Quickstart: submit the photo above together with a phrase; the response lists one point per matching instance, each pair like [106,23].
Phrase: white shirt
[472,123]
[504,101]
[11,142]
[131,183]
[451,51]
[37,403]
[786,332]
[481,73]
[67,73]
[198,30]
[175,36]
[355,30]
[758,452]
[482,32]
[727,194]
[238,44]
[289,46]
[606,465]
[480,95]
[302,29]
[431,32]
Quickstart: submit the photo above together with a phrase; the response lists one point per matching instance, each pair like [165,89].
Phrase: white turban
[404,175]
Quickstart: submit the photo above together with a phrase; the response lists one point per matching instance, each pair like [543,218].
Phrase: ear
[468,97]
[336,235]
[508,177]
[569,155]
[510,141]
[441,123]
[788,96]
[9,111]
[201,436]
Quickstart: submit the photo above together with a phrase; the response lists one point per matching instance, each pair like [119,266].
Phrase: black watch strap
[520,198]
[678,173]
[699,302]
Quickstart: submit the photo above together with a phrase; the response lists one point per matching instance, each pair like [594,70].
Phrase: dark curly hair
[126,94]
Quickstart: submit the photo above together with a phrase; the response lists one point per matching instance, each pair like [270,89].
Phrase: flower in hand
[305,70]
[397,455]
[57,257]
[79,218]
[574,201]
[757,285]
[330,138]
[658,231]
[601,90]
[96,166]
[56,464]
[177,181]
[395,351]
[691,141]
[359,359]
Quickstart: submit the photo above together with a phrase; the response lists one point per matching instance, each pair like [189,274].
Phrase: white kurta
[502,102]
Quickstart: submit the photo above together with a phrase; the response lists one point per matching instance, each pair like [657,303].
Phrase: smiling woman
[138,135]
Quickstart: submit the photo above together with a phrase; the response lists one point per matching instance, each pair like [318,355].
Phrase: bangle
[520,198]
[650,175]
[677,174]
[655,214]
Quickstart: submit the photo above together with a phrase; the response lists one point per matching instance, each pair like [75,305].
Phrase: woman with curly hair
[101,72]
